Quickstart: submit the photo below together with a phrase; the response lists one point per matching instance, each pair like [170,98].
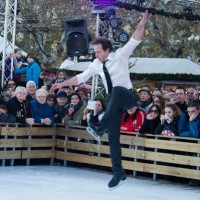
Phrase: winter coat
[132,123]
[91,119]
[168,129]
[189,128]
[61,111]
[75,118]
[21,110]
[41,111]
[32,72]
[149,126]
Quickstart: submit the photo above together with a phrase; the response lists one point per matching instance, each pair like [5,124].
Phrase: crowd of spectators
[169,113]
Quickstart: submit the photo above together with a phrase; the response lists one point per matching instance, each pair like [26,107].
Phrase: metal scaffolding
[8,14]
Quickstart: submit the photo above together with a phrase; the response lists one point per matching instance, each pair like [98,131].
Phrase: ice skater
[114,71]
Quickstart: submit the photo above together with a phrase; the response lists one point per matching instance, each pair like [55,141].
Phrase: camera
[71,105]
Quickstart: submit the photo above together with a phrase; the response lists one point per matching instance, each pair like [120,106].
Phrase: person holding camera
[96,114]
[74,111]
[169,121]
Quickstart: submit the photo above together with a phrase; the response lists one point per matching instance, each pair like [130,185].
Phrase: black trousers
[121,99]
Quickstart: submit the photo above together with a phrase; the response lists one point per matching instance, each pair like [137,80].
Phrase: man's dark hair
[16,50]
[31,55]
[194,104]
[180,88]
[106,44]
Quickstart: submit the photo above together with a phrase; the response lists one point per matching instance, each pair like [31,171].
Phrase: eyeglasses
[74,98]
[155,111]
[190,93]
[41,97]
[168,100]
[11,84]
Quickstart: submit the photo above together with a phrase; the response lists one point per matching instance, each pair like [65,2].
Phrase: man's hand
[55,86]
[137,35]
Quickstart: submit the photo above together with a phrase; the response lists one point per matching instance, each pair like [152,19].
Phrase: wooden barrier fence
[155,154]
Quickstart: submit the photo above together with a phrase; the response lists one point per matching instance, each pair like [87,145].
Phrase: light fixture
[123,37]
[115,22]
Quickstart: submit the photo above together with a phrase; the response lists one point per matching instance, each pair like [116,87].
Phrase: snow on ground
[66,183]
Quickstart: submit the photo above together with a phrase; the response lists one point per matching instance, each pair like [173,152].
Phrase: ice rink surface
[67,183]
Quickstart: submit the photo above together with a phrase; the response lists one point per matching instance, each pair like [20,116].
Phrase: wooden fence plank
[172,145]
[38,154]
[10,143]
[25,131]
[143,167]
[131,153]
[10,154]
[38,143]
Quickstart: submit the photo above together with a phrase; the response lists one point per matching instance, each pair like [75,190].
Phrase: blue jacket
[41,111]
[187,128]
[32,72]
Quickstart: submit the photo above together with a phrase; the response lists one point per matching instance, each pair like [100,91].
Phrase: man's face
[31,89]
[62,101]
[29,60]
[18,54]
[144,96]
[180,95]
[100,54]
[192,111]
[190,93]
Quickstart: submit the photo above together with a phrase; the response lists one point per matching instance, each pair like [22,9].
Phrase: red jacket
[132,125]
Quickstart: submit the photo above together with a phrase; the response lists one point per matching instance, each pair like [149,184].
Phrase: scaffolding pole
[8,15]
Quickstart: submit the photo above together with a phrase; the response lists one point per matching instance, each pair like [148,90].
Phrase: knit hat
[62,94]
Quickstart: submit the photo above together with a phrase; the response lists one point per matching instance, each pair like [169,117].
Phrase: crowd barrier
[155,154]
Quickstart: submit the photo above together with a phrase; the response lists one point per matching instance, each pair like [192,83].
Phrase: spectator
[32,71]
[51,100]
[145,100]
[132,120]
[68,89]
[167,97]
[40,110]
[60,76]
[60,108]
[17,63]
[158,100]
[180,93]
[5,97]
[152,120]
[93,117]
[189,123]
[11,84]
[157,92]
[169,122]
[5,116]
[75,111]
[31,90]
[82,92]
[190,94]
[19,106]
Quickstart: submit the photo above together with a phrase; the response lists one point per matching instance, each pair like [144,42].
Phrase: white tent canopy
[8,48]
[149,66]
[164,66]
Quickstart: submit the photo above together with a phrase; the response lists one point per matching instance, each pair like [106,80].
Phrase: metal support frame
[8,15]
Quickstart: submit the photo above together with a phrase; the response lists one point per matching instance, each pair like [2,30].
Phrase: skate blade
[93,134]
[120,183]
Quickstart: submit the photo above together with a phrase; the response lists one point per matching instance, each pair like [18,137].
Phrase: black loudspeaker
[77,37]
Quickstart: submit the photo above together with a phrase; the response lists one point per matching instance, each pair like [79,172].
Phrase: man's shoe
[117,180]
[92,132]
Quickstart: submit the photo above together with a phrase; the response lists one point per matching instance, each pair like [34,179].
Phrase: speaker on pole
[77,37]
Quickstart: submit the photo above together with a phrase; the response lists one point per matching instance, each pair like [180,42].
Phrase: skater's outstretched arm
[71,81]
[137,35]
